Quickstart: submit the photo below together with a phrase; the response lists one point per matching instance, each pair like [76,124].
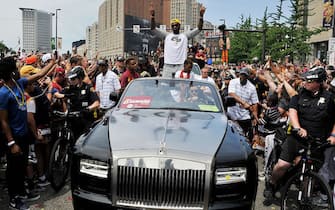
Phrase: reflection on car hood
[169,130]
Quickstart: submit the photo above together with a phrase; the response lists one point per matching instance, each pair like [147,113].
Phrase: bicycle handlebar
[67,114]
[319,143]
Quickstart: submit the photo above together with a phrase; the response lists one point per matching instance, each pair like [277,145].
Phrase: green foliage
[285,35]
[244,45]
[3,47]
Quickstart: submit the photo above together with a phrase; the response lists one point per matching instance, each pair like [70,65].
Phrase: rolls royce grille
[160,187]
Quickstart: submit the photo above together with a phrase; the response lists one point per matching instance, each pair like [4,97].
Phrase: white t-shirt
[175,48]
[247,93]
[192,75]
[209,79]
[105,84]
[175,45]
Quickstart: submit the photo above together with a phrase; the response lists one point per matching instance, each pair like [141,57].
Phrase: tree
[3,47]
[243,44]
[285,35]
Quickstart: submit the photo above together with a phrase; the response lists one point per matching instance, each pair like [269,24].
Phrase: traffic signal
[222,28]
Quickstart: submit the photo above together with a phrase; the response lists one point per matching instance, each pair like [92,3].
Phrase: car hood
[166,131]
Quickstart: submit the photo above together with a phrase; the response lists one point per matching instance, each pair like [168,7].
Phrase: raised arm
[51,65]
[201,19]
[152,13]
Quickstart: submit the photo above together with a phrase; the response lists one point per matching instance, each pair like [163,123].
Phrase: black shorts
[292,146]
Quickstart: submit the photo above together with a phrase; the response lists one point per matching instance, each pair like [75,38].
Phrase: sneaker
[268,194]
[17,203]
[30,196]
[43,183]
[32,159]
[261,176]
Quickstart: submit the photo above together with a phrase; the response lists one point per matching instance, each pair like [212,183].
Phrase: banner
[328,13]
[59,43]
[53,43]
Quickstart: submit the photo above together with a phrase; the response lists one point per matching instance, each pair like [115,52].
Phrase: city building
[92,39]
[36,30]
[320,42]
[82,49]
[183,10]
[117,18]
[115,23]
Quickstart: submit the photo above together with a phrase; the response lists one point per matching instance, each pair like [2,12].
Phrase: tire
[317,186]
[59,164]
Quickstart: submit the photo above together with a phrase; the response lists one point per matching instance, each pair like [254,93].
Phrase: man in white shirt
[245,94]
[175,44]
[106,83]
[186,72]
[204,75]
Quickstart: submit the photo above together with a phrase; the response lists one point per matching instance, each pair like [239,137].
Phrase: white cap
[46,57]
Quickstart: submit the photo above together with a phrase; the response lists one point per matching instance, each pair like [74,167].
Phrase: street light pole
[56,47]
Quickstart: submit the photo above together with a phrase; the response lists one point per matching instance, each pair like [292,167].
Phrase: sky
[76,15]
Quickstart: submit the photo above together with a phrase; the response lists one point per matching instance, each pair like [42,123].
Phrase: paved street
[63,200]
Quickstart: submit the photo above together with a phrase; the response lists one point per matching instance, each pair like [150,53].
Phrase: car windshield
[171,94]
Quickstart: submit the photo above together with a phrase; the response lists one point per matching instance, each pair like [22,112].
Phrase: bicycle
[60,156]
[306,189]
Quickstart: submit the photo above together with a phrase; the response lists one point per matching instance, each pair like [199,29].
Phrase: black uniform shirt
[81,97]
[316,113]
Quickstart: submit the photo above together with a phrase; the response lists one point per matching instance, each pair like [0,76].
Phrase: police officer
[312,111]
[83,98]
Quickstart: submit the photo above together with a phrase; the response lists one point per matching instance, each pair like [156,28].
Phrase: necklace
[22,103]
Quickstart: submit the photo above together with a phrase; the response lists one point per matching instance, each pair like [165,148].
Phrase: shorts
[169,69]
[291,148]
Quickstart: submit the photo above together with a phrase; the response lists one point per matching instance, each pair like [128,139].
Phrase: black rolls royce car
[167,144]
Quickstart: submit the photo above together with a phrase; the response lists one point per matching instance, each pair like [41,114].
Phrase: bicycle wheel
[309,191]
[59,165]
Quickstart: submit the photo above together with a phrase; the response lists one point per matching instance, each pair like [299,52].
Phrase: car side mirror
[229,101]
[114,96]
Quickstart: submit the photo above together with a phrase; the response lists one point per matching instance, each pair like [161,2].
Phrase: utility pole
[56,47]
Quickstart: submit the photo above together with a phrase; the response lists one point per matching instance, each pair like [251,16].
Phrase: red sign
[132,102]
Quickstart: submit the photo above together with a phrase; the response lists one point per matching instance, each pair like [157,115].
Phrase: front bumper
[87,200]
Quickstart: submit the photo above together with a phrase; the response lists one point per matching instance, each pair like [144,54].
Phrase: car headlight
[230,175]
[94,168]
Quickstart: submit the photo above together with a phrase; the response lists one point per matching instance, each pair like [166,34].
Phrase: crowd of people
[266,97]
